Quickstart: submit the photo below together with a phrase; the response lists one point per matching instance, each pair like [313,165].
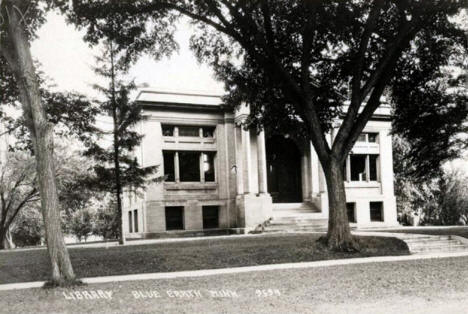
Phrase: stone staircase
[296,217]
[426,244]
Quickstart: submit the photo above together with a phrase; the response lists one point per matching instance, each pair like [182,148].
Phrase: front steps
[426,244]
[305,217]
[296,217]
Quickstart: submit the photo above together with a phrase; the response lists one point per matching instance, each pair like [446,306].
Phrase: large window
[174,217]
[368,138]
[362,167]
[358,167]
[351,211]
[373,160]
[130,224]
[210,217]
[208,167]
[189,166]
[376,211]
[188,130]
[208,131]
[133,221]
[169,170]
[168,130]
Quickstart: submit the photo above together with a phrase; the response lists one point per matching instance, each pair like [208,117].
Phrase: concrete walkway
[237,270]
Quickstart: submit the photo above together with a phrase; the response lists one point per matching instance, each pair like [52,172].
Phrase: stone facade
[188,135]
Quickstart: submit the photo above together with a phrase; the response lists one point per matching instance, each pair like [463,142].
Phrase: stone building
[220,177]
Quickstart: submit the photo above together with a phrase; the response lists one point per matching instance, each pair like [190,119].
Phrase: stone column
[314,172]
[246,160]
[239,160]
[262,166]
[176,167]
[304,176]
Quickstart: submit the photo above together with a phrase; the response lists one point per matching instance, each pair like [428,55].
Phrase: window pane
[373,167]
[208,167]
[169,166]
[208,131]
[210,217]
[376,211]
[358,168]
[174,217]
[350,207]
[130,225]
[167,130]
[373,137]
[189,131]
[189,166]
[362,137]
[135,219]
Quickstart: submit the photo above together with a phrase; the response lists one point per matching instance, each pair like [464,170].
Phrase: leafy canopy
[303,64]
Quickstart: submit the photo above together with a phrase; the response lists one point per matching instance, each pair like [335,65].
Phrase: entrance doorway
[283,170]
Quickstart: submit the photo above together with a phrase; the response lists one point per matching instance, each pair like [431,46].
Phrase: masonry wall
[192,196]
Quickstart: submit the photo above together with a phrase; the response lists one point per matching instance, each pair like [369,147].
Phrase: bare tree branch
[374,100]
[353,123]
[356,98]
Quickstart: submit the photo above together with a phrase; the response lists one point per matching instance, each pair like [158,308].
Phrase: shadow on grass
[33,265]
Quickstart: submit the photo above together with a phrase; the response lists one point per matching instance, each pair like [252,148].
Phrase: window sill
[362,184]
[173,186]
[188,139]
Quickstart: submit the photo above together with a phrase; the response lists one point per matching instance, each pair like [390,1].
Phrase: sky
[68,61]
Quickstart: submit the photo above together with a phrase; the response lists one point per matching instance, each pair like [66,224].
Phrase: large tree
[21,20]
[117,168]
[307,63]
[19,194]
[18,189]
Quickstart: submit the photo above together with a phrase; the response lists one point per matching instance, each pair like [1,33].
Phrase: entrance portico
[269,169]
[295,180]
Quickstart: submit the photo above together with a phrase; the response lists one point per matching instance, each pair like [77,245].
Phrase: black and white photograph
[233,156]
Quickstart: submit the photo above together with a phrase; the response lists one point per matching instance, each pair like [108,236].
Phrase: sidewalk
[238,270]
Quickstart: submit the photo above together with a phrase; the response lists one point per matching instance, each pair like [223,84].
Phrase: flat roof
[212,101]
[185,97]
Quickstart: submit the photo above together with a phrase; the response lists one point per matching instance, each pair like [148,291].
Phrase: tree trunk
[19,58]
[6,242]
[118,188]
[339,236]
[3,243]
[118,183]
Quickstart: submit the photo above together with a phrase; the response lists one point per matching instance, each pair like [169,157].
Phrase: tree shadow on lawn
[461,231]
[33,265]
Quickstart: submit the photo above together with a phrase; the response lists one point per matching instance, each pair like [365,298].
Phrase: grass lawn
[419,286]
[33,265]
[458,231]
